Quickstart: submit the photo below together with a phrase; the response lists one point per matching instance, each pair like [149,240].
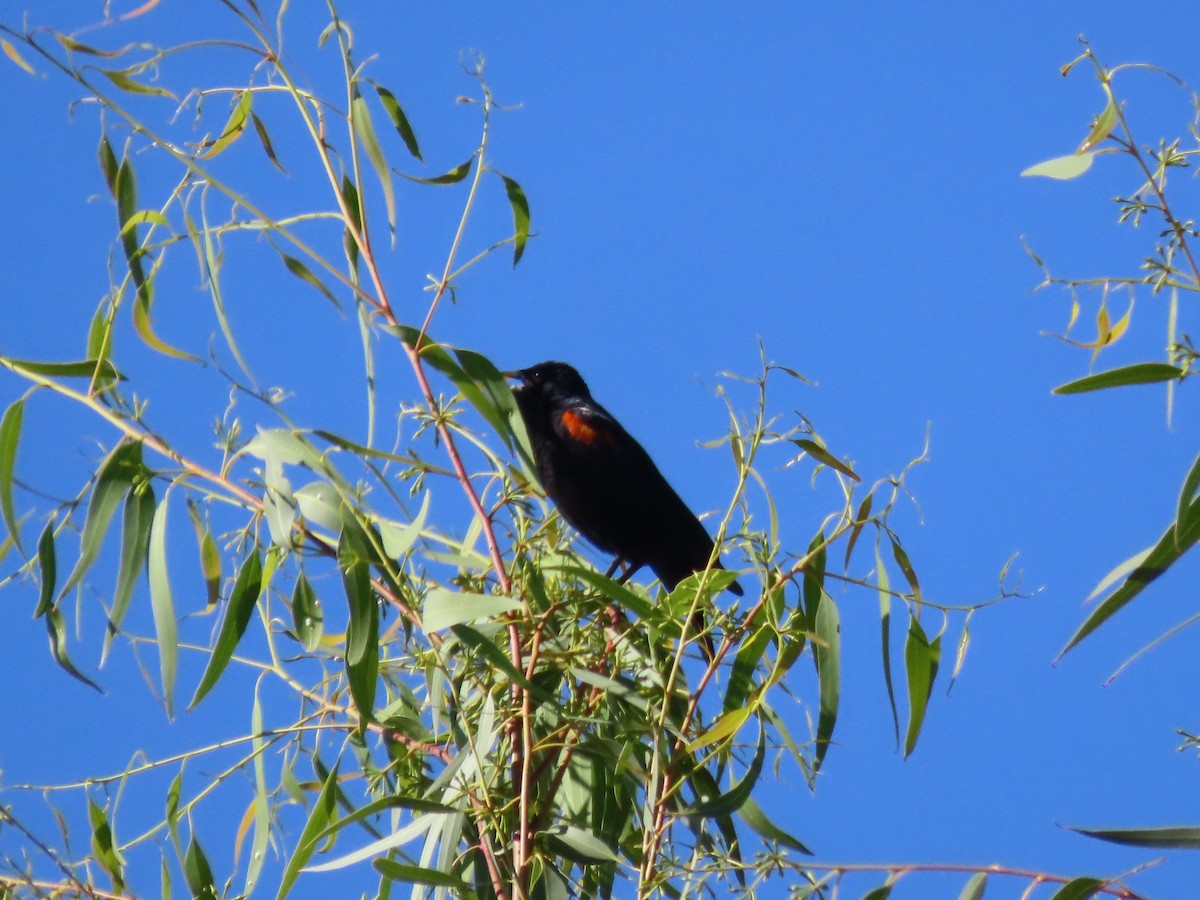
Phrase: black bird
[602,480]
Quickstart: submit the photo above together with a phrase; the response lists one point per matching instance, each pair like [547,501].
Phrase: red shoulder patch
[583,431]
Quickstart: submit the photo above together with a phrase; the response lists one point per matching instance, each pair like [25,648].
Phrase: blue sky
[839,183]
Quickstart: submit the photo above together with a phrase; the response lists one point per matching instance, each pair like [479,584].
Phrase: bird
[603,481]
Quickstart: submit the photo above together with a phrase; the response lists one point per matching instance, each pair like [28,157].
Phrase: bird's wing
[586,425]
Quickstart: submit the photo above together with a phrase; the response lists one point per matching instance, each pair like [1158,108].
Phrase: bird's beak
[516,375]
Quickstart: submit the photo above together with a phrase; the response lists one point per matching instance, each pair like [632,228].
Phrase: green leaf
[1139,373]
[443,608]
[731,801]
[1102,127]
[399,119]
[814,579]
[143,217]
[860,521]
[242,600]
[234,127]
[1183,837]
[10,434]
[162,606]
[921,657]
[827,651]
[724,727]
[1186,497]
[104,849]
[821,455]
[318,818]
[308,617]
[880,893]
[974,888]
[265,140]
[1062,168]
[135,545]
[48,569]
[752,815]
[122,80]
[454,176]
[117,474]
[360,121]
[57,628]
[198,873]
[499,659]
[1143,569]
[579,846]
[520,210]
[100,370]
[362,631]
[741,674]
[407,874]
[305,274]
[905,566]
[885,630]
[1078,889]
[108,164]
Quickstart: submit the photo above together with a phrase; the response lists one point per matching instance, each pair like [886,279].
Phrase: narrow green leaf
[163,606]
[104,849]
[752,815]
[880,893]
[234,127]
[48,570]
[905,566]
[860,521]
[974,888]
[10,435]
[56,626]
[520,210]
[499,659]
[135,545]
[399,119]
[360,121]
[408,874]
[579,846]
[1164,554]
[921,657]
[78,47]
[1078,889]
[1170,838]
[814,579]
[1139,373]
[731,801]
[827,650]
[262,800]
[318,818]
[1101,128]
[494,398]
[122,80]
[101,370]
[108,164]
[1062,168]
[885,629]
[198,873]
[821,455]
[116,475]
[242,600]
[362,632]
[1187,494]
[722,729]
[144,217]
[308,618]
[444,608]
[398,540]
[305,274]
[454,176]
[741,674]
[264,138]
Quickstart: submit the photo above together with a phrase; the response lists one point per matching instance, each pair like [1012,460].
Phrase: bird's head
[550,381]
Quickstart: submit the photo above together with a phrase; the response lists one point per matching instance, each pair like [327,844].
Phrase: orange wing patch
[582,431]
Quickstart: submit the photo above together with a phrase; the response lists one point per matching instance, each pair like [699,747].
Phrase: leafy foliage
[476,709]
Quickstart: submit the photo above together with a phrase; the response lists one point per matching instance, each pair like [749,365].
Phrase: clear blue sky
[839,182]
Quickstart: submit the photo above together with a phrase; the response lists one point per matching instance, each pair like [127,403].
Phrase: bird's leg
[627,569]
